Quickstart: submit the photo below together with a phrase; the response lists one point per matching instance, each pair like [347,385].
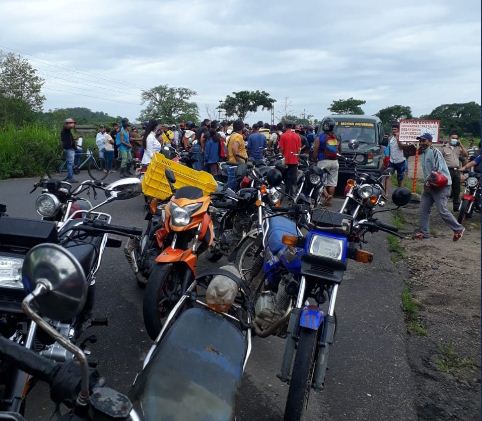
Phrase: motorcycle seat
[189,192]
[195,371]
[279,226]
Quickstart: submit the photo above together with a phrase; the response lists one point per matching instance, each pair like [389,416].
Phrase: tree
[19,80]
[463,118]
[169,104]
[80,114]
[243,102]
[15,111]
[297,120]
[347,106]
[393,113]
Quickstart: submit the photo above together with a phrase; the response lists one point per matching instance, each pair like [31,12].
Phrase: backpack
[328,147]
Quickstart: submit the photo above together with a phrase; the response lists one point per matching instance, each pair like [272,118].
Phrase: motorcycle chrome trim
[44,286]
[174,239]
[133,415]
[331,307]
[301,293]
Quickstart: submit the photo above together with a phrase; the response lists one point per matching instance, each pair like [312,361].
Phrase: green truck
[368,130]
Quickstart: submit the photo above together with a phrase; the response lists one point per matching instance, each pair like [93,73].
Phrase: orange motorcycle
[187,232]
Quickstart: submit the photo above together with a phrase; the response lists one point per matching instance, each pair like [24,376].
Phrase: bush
[27,151]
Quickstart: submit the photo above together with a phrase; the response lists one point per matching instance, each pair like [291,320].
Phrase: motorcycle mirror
[401,196]
[170,176]
[123,189]
[353,144]
[64,277]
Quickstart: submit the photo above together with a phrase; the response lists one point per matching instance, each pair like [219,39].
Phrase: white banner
[410,129]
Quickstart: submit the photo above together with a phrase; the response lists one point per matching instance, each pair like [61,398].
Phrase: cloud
[102,54]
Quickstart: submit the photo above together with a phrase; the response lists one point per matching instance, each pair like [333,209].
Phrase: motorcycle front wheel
[301,376]
[464,207]
[163,290]
[249,258]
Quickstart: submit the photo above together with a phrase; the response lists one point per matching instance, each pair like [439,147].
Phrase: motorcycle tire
[163,281]
[301,376]
[464,207]
[249,269]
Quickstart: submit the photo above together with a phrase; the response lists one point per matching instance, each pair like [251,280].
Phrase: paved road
[368,378]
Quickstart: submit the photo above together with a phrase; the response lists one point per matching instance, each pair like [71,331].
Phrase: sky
[101,54]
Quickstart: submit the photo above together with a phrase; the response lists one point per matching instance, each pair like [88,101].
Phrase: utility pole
[272,115]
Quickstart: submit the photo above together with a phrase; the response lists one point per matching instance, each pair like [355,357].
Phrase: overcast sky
[101,54]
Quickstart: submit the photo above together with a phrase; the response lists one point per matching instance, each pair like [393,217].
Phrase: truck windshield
[364,132]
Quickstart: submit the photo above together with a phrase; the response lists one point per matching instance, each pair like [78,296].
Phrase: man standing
[325,151]
[256,144]
[100,142]
[290,147]
[395,153]
[124,146]
[68,145]
[432,161]
[452,152]
[236,148]
[113,134]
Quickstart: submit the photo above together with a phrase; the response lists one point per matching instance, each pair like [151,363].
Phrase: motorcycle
[187,232]
[295,277]
[471,197]
[212,320]
[85,235]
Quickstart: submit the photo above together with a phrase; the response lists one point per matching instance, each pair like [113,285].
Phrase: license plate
[311,317]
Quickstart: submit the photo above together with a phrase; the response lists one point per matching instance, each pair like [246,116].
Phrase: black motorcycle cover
[195,371]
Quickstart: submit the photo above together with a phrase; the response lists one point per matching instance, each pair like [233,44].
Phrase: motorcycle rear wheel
[249,258]
[464,207]
[301,376]
[162,284]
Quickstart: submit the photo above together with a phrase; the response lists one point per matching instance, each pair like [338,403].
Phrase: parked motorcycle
[188,231]
[85,235]
[471,197]
[193,370]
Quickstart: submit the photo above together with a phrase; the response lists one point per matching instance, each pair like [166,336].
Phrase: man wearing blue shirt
[256,144]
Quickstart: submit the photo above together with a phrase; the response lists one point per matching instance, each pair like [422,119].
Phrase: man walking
[290,147]
[124,146]
[256,144]
[432,163]
[69,146]
[100,142]
[452,152]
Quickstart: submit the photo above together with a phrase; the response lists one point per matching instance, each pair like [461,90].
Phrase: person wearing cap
[432,161]
[124,146]
[100,142]
[69,145]
[397,159]
[453,152]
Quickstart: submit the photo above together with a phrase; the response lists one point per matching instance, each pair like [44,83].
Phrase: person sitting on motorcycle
[472,163]
[150,142]
[325,152]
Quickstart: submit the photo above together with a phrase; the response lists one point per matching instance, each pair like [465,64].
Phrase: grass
[410,307]
[399,219]
[395,247]
[450,362]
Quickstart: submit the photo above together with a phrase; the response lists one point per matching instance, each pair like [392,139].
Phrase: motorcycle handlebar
[28,361]
[104,227]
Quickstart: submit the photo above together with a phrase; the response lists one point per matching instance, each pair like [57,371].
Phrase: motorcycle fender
[199,360]
[469,197]
[170,255]
[311,317]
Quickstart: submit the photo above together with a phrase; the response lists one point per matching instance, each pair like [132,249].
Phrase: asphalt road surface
[368,377]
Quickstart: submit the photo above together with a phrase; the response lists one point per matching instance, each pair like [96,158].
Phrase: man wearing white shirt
[100,142]
[397,159]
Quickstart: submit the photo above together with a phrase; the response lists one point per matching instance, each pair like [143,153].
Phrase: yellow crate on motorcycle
[155,183]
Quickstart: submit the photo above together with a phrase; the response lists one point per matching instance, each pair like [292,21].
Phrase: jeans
[232,179]
[70,157]
[455,195]
[440,198]
[78,155]
[109,157]
[126,157]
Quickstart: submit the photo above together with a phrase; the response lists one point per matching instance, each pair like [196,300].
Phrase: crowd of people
[213,142]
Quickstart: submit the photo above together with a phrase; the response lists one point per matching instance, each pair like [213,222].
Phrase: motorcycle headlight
[11,272]
[47,205]
[330,247]
[365,191]
[315,179]
[274,194]
[181,216]
[472,181]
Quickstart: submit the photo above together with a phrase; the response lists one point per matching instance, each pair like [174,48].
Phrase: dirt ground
[443,317]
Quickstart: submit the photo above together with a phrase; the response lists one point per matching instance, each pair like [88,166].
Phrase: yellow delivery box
[155,183]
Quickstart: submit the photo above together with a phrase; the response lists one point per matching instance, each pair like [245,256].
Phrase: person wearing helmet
[435,192]
[124,145]
[326,148]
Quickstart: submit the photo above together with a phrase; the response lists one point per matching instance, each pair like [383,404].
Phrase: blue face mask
[454,142]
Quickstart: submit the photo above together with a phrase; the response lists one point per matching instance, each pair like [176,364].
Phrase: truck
[368,130]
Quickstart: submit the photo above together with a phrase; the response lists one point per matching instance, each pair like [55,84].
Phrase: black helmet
[328,124]
[274,177]
[401,196]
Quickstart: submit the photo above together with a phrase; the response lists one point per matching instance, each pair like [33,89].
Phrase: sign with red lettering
[410,129]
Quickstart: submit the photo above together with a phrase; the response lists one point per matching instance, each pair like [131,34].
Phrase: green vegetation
[55,118]
[391,114]
[395,247]
[26,151]
[240,103]
[410,308]
[347,106]
[399,219]
[450,362]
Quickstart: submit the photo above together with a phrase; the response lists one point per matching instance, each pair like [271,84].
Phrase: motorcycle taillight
[245,182]
[74,208]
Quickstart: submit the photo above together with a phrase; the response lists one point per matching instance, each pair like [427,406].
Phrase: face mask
[454,142]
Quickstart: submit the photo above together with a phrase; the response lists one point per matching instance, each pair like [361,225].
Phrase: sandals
[419,235]
[458,234]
